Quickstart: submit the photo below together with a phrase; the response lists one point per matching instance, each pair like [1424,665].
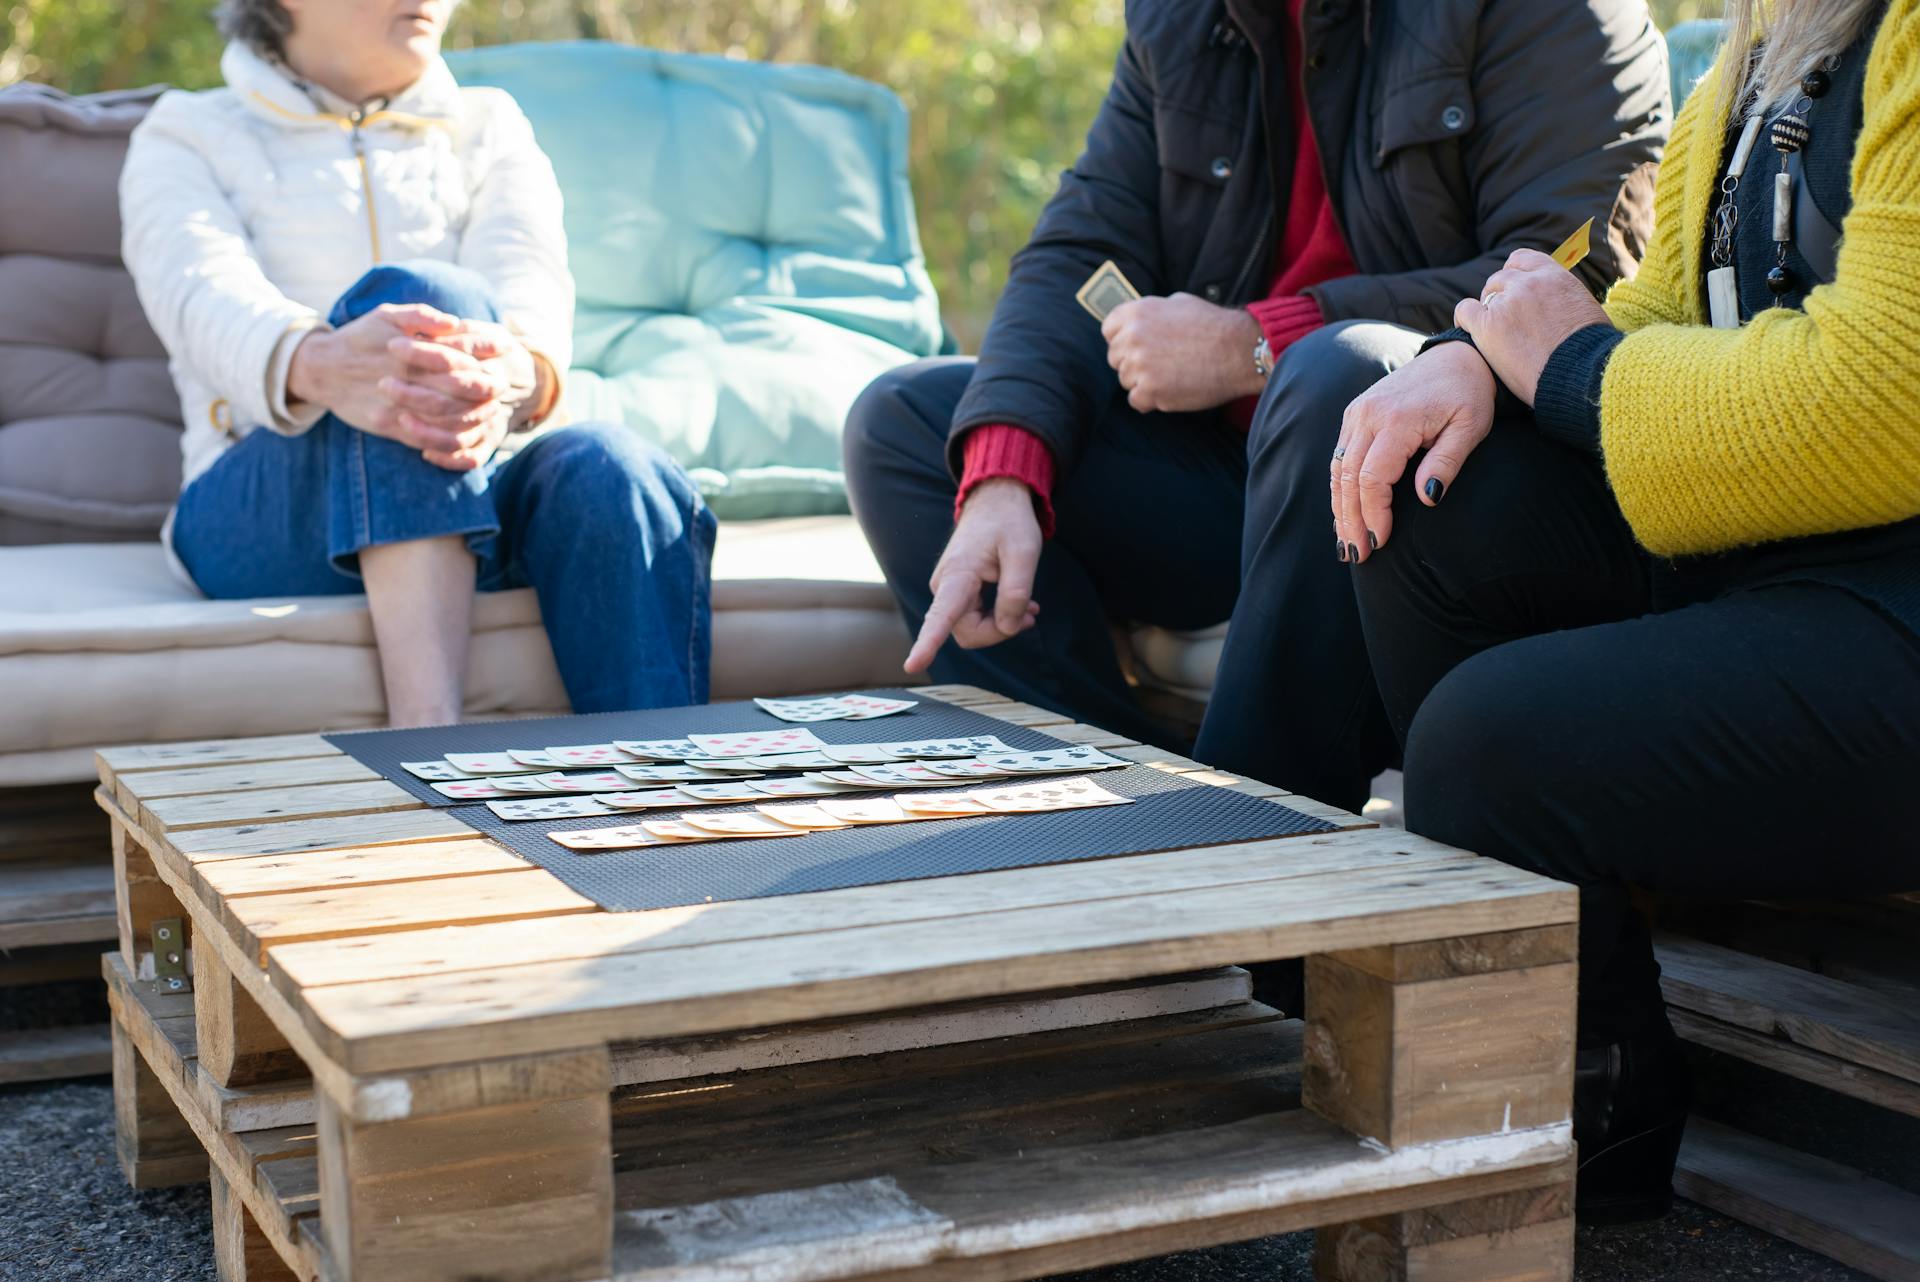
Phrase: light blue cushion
[1691,49]
[742,238]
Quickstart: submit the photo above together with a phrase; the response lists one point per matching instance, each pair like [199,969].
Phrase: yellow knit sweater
[1800,423]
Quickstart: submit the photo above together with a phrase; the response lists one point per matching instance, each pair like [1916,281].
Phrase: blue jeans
[607,530]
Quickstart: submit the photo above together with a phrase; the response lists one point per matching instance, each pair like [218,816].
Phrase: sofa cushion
[89,421]
[742,237]
[100,644]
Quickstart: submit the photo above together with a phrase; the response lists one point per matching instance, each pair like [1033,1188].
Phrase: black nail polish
[1436,489]
[1353,552]
[1373,541]
[1340,549]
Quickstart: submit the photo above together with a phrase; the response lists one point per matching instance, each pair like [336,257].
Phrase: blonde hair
[1798,36]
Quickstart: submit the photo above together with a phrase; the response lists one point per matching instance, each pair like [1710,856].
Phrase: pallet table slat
[148,785]
[226,809]
[114,762]
[369,866]
[390,828]
[44,1054]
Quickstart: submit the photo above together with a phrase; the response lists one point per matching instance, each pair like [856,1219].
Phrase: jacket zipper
[354,122]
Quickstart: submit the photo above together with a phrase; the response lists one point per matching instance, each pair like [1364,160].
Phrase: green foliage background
[1000,91]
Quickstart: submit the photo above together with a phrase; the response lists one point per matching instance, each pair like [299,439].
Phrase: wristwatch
[1262,357]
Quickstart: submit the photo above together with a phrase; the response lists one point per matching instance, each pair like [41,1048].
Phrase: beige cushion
[1181,663]
[100,644]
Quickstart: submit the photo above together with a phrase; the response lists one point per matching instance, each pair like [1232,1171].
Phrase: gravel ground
[67,1214]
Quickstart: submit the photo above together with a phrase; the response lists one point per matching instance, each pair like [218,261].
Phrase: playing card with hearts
[801,710]
[587,781]
[587,754]
[977,745]
[668,774]
[657,749]
[864,707]
[1050,794]
[535,758]
[523,785]
[941,805]
[631,837]
[802,787]
[432,770]
[861,754]
[1073,757]
[549,808]
[485,763]
[756,743]
[741,823]
[644,799]
[472,789]
[802,815]
[727,791]
[865,810]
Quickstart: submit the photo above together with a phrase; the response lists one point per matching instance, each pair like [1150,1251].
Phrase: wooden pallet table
[398,1051]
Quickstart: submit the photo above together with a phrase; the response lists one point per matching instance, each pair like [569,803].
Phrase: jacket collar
[270,91]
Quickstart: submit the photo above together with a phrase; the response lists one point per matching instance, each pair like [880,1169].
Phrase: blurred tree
[1000,91]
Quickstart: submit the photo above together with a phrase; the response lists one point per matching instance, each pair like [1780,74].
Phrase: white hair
[1772,44]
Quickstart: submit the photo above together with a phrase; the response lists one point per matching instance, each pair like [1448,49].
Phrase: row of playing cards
[839,707]
[611,791]
[796,820]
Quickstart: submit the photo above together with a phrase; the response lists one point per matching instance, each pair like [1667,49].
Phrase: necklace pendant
[1782,207]
[1789,133]
[1723,299]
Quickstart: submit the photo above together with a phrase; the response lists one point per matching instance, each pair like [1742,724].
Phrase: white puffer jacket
[247,210]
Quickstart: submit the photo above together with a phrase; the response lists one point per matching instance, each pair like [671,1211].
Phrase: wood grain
[1524,1236]
[236,1044]
[241,1252]
[149,785]
[244,840]
[278,805]
[48,1054]
[1797,1061]
[228,879]
[156,1147]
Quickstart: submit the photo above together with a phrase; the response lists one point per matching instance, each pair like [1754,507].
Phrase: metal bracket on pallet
[170,956]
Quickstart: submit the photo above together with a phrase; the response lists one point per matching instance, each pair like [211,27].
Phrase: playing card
[978,745]
[730,790]
[793,761]
[756,743]
[1048,794]
[732,766]
[861,781]
[472,789]
[549,808]
[940,805]
[631,837]
[904,774]
[1574,249]
[587,781]
[802,787]
[535,758]
[742,823]
[1073,757]
[865,707]
[803,709]
[865,810]
[431,770]
[586,754]
[485,763]
[523,785]
[965,769]
[1105,290]
[648,799]
[673,830]
[860,754]
[667,774]
[657,749]
[801,815]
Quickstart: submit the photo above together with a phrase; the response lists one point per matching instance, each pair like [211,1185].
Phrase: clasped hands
[448,387]
[1443,401]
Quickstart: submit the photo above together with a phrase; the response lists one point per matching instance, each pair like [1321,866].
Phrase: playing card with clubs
[742,823]
[730,790]
[940,805]
[802,710]
[536,759]
[1048,794]
[472,789]
[549,808]
[978,745]
[645,799]
[657,749]
[1072,757]
[1105,290]
[631,837]
[965,769]
[432,770]
[793,761]
[485,763]
[860,754]
[865,707]
[587,781]
[667,774]
[756,743]
[586,754]
[865,810]
[903,774]
[801,787]
[802,815]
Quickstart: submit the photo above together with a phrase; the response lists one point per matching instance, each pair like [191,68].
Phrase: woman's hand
[1528,309]
[1442,403]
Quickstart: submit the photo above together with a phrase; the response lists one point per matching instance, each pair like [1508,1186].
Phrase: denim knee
[448,287]
[605,459]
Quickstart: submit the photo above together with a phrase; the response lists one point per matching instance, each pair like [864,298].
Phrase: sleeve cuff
[1285,321]
[1001,449]
[1566,405]
[295,418]
[1505,403]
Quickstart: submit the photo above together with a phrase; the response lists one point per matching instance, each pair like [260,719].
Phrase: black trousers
[1569,706]
[1169,520]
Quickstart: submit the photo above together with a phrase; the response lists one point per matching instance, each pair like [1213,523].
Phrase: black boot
[1629,1110]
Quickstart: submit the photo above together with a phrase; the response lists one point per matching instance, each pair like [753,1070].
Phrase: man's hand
[1182,353]
[1528,309]
[997,540]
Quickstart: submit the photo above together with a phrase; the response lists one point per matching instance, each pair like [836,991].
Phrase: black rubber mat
[1168,813]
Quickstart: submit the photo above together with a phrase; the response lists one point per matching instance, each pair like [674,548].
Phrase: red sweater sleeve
[1285,321]
[1000,449]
